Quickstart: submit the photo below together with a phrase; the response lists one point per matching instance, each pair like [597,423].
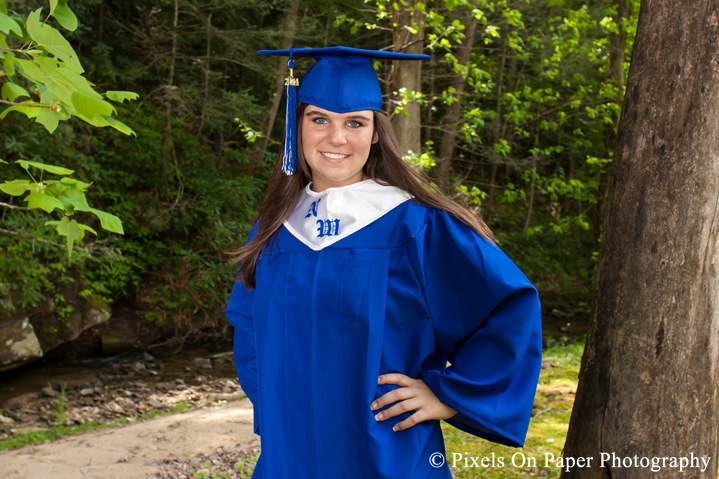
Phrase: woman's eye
[354,124]
[320,121]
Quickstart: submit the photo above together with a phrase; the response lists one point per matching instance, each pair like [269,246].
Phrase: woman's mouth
[333,156]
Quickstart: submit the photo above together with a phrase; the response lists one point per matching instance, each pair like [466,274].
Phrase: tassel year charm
[289,161]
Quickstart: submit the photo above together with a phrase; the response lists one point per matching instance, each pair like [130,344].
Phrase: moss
[547,429]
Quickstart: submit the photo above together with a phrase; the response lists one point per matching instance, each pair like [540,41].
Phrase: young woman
[358,284]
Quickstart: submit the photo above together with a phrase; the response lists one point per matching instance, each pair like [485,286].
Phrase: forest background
[520,128]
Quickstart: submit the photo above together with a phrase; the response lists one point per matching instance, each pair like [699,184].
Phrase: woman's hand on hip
[414,395]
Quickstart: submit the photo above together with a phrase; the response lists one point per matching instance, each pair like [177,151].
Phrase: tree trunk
[451,124]
[207,79]
[407,74]
[498,127]
[648,383]
[615,71]
[168,106]
[281,72]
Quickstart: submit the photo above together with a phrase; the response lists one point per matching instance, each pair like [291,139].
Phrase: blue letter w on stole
[328,228]
[313,209]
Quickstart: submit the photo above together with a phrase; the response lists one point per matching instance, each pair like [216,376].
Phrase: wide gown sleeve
[487,324]
[239,313]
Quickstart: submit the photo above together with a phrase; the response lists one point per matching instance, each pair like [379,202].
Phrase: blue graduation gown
[406,294]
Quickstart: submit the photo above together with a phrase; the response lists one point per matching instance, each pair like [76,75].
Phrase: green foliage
[533,145]
[53,70]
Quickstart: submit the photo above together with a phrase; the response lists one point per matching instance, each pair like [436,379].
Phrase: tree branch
[52,107]
[12,207]
[12,50]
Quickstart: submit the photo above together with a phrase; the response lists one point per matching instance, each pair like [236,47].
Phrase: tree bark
[207,78]
[170,82]
[451,124]
[407,74]
[288,32]
[648,382]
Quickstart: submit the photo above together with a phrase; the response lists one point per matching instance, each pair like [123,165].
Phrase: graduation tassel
[289,161]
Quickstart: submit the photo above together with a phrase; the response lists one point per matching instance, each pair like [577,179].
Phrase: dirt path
[136,450]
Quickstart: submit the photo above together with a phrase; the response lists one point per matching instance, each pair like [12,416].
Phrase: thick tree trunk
[407,74]
[451,123]
[648,383]
[281,72]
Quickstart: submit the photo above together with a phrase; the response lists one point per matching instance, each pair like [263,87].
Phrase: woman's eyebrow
[353,117]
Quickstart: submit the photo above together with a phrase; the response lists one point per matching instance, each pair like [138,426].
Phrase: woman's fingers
[393,396]
[414,419]
[399,408]
[396,378]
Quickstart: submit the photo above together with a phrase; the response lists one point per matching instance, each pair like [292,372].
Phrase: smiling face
[336,145]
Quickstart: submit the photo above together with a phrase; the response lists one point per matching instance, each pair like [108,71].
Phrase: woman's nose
[336,136]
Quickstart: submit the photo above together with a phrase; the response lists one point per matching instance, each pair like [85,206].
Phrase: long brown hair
[384,165]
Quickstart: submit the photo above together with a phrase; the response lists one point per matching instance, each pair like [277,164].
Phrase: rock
[48,391]
[147,357]
[231,384]
[18,344]
[155,403]
[138,366]
[87,391]
[8,421]
[98,390]
[203,363]
[112,406]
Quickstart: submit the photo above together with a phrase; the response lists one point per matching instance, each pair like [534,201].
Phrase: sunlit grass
[547,431]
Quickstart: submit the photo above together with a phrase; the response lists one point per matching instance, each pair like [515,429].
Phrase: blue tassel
[289,161]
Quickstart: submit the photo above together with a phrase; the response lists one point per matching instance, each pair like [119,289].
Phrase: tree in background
[649,375]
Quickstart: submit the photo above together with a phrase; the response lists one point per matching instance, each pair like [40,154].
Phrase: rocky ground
[214,439]
[125,390]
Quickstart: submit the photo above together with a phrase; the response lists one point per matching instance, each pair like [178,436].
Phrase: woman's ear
[375,137]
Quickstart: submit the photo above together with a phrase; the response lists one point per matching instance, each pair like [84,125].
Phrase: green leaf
[45,70]
[49,119]
[87,228]
[68,228]
[52,40]
[109,221]
[3,8]
[8,25]
[118,125]
[78,199]
[11,91]
[121,96]
[1,160]
[43,201]
[16,187]
[57,170]
[9,64]
[77,184]
[63,14]
[29,111]
[90,107]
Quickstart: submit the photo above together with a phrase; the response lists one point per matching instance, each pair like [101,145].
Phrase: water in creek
[27,381]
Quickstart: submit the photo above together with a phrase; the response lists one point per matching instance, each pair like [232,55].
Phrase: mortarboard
[341,81]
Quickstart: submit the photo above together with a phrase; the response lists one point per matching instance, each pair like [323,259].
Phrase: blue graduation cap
[341,81]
